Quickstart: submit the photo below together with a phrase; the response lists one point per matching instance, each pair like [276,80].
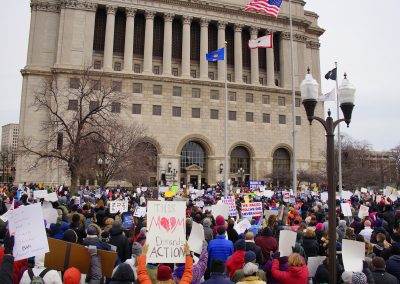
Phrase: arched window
[193,154]
[240,158]
[281,160]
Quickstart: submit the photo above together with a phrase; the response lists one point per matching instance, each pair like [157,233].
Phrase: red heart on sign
[165,223]
[172,221]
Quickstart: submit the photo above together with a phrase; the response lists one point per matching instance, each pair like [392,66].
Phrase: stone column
[148,43]
[109,40]
[255,76]
[238,54]
[285,65]
[270,64]
[167,52]
[129,30]
[186,46]
[204,48]
[60,34]
[221,44]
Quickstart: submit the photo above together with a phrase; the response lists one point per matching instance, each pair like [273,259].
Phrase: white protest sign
[313,263]
[270,212]
[387,191]
[39,194]
[220,209]
[363,211]
[393,196]
[230,200]
[242,226]
[353,254]
[196,238]
[378,198]
[252,209]
[163,189]
[49,214]
[52,197]
[286,196]
[199,204]
[268,193]
[364,190]
[346,194]
[346,210]
[140,211]
[118,206]
[324,196]
[166,225]
[27,224]
[287,240]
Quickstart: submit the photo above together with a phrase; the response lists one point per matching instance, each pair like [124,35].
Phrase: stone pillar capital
[285,35]
[150,14]
[254,31]
[111,9]
[169,17]
[204,22]
[270,31]
[238,28]
[130,12]
[186,20]
[222,25]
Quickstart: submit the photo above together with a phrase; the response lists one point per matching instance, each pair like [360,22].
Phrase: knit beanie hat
[92,231]
[249,256]
[164,273]
[136,249]
[72,276]
[207,222]
[367,223]
[250,268]
[359,278]
[240,244]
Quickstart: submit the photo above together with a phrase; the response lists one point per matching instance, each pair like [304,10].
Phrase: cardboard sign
[140,212]
[287,240]
[353,254]
[118,206]
[364,190]
[363,211]
[199,204]
[220,209]
[252,209]
[63,255]
[196,238]
[49,214]
[346,210]
[242,226]
[313,263]
[324,196]
[286,197]
[52,197]
[27,224]
[268,193]
[230,200]
[166,225]
[39,194]
[346,194]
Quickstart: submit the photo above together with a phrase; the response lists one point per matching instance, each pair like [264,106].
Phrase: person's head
[253,222]
[92,231]
[295,260]
[72,276]
[380,237]
[309,233]
[123,273]
[367,223]
[250,269]
[76,218]
[231,223]
[136,249]
[378,263]
[207,222]
[267,232]
[240,245]
[217,266]
[221,231]
[164,274]
[250,256]
[249,236]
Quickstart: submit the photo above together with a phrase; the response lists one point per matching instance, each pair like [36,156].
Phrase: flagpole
[226,122]
[339,137]
[294,170]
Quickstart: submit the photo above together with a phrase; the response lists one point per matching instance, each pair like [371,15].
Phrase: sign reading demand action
[166,224]
[252,209]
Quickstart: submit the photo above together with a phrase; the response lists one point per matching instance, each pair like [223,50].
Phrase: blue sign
[256,183]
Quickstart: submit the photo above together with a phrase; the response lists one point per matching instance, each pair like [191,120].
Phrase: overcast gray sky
[360,35]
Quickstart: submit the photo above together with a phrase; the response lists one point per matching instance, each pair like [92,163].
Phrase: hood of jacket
[220,221]
[298,270]
[395,258]
[123,272]
[115,231]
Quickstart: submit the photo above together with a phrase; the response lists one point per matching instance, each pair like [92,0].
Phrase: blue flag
[216,55]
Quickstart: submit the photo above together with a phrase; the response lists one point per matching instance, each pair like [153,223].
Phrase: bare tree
[280,177]
[396,157]
[7,163]
[77,113]
[311,176]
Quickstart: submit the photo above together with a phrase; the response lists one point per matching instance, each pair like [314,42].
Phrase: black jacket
[311,246]
[381,276]
[232,235]
[7,270]
[118,239]
[123,275]
[257,250]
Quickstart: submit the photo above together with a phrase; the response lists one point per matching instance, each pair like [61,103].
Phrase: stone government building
[154,51]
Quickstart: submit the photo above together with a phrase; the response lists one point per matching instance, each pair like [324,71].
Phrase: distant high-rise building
[8,150]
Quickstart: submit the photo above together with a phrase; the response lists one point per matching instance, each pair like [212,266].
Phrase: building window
[281,160]
[232,115]
[214,113]
[136,109]
[96,85]
[97,64]
[156,110]
[266,118]
[193,154]
[74,83]
[298,120]
[265,99]
[281,101]
[232,96]
[137,88]
[177,91]
[214,95]
[297,102]
[245,79]
[261,80]
[93,105]
[193,73]
[249,98]
[156,70]
[196,112]
[116,86]
[240,158]
[73,105]
[175,72]
[282,119]
[136,68]
[211,75]
[176,111]
[249,116]
[117,66]
[116,107]
[157,89]
[229,77]
[196,93]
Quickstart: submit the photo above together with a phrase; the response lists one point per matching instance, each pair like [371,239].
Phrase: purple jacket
[198,269]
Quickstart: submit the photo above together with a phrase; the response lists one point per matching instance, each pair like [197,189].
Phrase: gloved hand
[187,248]
[145,249]
[8,244]
[275,255]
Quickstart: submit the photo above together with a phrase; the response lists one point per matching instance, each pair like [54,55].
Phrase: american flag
[269,7]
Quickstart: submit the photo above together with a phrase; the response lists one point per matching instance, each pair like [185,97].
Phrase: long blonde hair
[295,260]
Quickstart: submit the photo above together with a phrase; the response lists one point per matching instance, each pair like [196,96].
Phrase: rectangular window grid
[266,118]
[137,88]
[196,93]
[176,111]
[232,115]
[116,107]
[136,109]
[157,89]
[177,91]
[282,119]
[249,98]
[232,96]
[281,101]
[136,68]
[265,99]
[298,120]
[156,110]
[196,112]
[249,116]
[214,113]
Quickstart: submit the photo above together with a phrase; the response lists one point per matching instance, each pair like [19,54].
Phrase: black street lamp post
[309,94]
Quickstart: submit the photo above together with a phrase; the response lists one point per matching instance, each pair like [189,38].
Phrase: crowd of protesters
[251,257]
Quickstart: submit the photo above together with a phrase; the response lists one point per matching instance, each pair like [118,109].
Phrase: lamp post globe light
[309,93]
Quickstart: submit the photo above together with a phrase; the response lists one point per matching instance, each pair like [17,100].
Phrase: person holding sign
[298,271]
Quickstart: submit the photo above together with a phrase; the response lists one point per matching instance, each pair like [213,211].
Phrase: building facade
[8,151]
[156,51]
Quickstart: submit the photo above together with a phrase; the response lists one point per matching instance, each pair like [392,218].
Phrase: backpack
[37,279]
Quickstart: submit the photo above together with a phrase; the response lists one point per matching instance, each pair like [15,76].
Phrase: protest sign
[140,211]
[196,238]
[242,226]
[378,198]
[127,220]
[313,263]
[256,183]
[220,209]
[199,204]
[118,206]
[353,254]
[166,224]
[63,255]
[39,194]
[393,197]
[163,189]
[268,193]
[346,210]
[364,190]
[387,191]
[363,211]
[252,209]
[49,214]
[52,197]
[270,212]
[286,196]
[27,224]
[346,194]
[230,200]
[324,196]
[287,240]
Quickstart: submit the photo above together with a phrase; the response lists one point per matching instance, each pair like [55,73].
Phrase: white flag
[328,97]
[263,42]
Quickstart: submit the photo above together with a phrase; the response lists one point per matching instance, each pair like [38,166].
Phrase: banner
[252,209]
[49,214]
[166,225]
[196,238]
[256,184]
[346,210]
[220,209]
[39,194]
[242,226]
[120,206]
[363,211]
[230,200]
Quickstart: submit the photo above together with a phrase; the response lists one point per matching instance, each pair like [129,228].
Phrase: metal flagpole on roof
[294,169]
[338,134]
[226,123]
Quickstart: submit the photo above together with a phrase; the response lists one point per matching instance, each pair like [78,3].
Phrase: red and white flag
[261,42]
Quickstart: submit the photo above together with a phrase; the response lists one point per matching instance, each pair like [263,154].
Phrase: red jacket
[235,262]
[296,274]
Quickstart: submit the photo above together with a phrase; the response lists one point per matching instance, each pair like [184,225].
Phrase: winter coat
[7,269]
[251,280]
[95,241]
[267,244]
[118,239]
[198,269]
[379,230]
[283,266]
[57,230]
[239,276]
[381,276]
[235,262]
[18,267]
[322,273]
[218,278]
[311,246]
[233,236]
[95,275]
[295,274]
[219,248]
[393,266]
[51,277]
[366,233]
[257,250]
[208,233]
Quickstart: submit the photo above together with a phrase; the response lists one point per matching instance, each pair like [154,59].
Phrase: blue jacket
[219,248]
[254,228]
[218,278]
[57,230]
[393,266]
